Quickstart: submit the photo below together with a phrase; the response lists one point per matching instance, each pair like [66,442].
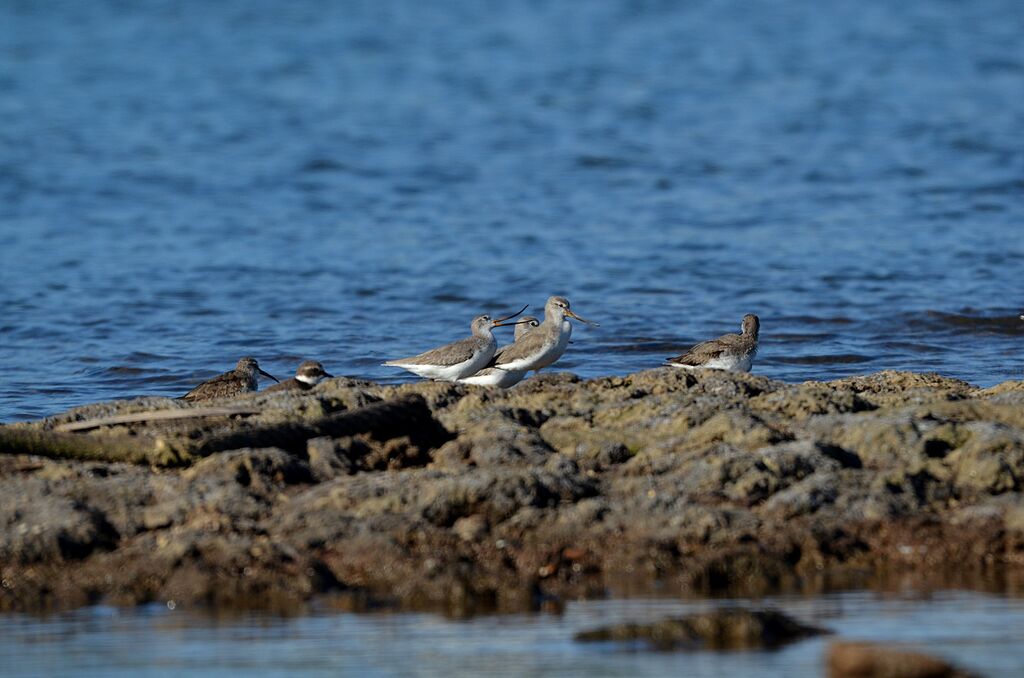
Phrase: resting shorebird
[242,379]
[544,345]
[733,352]
[309,374]
[458,359]
[495,376]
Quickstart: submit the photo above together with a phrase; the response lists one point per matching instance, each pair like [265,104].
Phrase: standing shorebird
[458,359]
[242,379]
[495,376]
[544,345]
[733,352]
[309,374]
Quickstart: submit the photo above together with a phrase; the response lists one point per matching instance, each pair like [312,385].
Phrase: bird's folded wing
[445,356]
[213,386]
[524,348]
[706,351]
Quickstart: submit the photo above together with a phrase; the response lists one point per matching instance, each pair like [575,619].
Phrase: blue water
[184,183]
[978,632]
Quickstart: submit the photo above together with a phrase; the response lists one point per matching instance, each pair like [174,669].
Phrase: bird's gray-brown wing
[444,356]
[498,354]
[501,350]
[291,384]
[525,347]
[707,350]
[222,385]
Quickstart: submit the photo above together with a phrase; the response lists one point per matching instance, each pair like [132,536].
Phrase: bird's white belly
[732,363]
[456,371]
[495,376]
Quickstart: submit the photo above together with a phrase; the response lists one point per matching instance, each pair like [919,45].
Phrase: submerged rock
[874,660]
[725,629]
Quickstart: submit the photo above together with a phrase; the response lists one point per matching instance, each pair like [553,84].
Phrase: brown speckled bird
[734,352]
[309,374]
[242,379]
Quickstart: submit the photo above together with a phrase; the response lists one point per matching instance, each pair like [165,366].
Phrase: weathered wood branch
[155,415]
[110,447]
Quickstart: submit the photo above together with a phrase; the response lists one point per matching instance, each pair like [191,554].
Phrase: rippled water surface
[183,183]
[977,632]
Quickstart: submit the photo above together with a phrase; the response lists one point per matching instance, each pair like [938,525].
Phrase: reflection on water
[974,630]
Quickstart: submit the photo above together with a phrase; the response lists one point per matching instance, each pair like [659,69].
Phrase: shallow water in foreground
[185,183]
[976,631]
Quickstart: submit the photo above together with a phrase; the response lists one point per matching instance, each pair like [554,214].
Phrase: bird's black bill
[498,323]
[509,317]
[328,375]
[268,374]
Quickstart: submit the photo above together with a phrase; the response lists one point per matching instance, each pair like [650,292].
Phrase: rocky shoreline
[468,499]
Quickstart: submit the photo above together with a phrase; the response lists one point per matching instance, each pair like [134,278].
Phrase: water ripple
[355,181]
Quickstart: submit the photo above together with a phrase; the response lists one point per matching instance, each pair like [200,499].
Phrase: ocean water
[184,183]
[978,632]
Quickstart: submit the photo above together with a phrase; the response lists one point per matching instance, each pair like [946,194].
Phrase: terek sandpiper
[309,374]
[458,359]
[242,379]
[733,352]
[546,344]
[495,376]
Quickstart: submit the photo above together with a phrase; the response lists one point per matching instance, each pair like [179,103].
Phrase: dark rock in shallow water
[725,629]
[874,660]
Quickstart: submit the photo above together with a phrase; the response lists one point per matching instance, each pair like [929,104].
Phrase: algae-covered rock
[469,498]
[891,388]
[810,399]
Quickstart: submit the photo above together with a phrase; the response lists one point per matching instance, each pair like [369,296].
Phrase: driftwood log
[156,415]
[107,447]
[406,416]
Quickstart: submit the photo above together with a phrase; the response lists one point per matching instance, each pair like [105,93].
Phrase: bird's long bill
[268,374]
[582,320]
[498,323]
[509,317]
[328,375]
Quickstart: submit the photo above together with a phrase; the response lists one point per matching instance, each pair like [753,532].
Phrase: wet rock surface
[725,629]
[469,499]
[875,660]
